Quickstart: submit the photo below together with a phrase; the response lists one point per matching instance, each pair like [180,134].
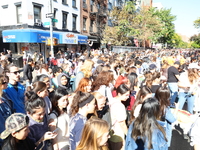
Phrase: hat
[15,122]
[152,66]
[100,61]
[177,62]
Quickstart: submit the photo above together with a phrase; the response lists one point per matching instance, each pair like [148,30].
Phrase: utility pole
[51,29]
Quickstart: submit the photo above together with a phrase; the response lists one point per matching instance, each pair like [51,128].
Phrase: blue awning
[82,39]
[27,36]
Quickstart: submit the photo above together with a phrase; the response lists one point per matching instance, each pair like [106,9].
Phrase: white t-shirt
[63,129]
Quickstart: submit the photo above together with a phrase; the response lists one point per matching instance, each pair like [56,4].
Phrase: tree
[197,23]
[195,39]
[122,26]
[127,22]
[168,28]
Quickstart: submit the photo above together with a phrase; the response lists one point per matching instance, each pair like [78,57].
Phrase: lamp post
[51,29]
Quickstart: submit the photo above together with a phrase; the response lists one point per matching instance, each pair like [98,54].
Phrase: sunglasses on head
[16,72]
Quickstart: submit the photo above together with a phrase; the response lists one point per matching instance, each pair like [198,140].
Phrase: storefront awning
[27,36]
[82,39]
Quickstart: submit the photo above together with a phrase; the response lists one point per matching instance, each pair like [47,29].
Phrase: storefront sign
[69,38]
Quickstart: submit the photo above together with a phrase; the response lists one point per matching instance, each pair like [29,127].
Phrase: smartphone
[55,131]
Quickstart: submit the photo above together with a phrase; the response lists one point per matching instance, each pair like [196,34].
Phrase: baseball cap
[15,122]
[152,66]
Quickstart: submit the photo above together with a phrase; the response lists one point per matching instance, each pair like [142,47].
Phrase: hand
[49,135]
[1,101]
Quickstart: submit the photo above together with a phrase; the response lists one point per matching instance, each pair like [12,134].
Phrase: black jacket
[28,72]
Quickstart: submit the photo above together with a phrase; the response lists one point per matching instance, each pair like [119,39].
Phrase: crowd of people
[101,101]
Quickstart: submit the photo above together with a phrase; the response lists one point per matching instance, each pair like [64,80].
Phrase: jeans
[173,86]
[183,96]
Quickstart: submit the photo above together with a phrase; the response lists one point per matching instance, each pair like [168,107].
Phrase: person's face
[63,102]
[43,93]
[88,87]
[22,134]
[101,100]
[91,106]
[38,115]
[63,80]
[14,74]
[47,81]
[104,138]
[4,84]
[125,96]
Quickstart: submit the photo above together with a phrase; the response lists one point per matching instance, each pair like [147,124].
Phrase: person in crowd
[15,89]
[103,84]
[56,72]
[188,86]
[3,67]
[40,88]
[6,105]
[43,69]
[101,101]
[155,82]
[84,85]
[143,94]
[63,82]
[28,72]
[85,71]
[82,105]
[95,135]
[38,125]
[118,117]
[16,133]
[147,131]
[172,80]
[163,96]
[59,119]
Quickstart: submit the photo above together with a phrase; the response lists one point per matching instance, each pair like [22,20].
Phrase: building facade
[25,25]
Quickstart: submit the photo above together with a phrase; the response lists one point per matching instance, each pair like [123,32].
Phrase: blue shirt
[76,126]
[17,97]
[158,140]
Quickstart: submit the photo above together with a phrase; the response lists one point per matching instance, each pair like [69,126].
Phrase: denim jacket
[158,140]
[169,117]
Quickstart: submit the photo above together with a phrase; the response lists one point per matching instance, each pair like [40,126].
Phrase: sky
[186,11]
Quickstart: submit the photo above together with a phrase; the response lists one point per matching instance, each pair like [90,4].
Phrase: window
[64,1]
[84,4]
[19,13]
[74,22]
[37,12]
[84,23]
[64,21]
[91,25]
[91,5]
[74,3]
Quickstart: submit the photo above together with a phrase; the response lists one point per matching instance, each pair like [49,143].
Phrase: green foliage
[195,39]
[197,23]
[146,24]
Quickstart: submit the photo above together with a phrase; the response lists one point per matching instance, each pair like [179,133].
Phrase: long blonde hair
[87,68]
[92,134]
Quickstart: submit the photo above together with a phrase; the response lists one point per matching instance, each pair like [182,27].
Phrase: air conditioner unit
[38,22]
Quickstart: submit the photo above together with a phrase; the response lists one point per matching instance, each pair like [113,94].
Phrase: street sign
[49,15]
[54,20]
[46,23]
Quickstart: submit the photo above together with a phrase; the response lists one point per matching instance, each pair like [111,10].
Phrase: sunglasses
[4,82]
[15,72]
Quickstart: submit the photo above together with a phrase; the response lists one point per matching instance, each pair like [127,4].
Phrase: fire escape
[98,17]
